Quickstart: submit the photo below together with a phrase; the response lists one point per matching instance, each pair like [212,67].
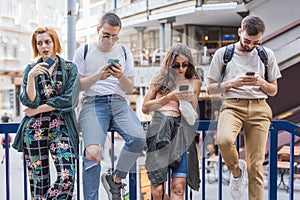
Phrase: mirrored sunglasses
[107,37]
[177,65]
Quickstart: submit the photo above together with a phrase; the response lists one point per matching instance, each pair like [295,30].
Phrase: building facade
[17,21]
[150,27]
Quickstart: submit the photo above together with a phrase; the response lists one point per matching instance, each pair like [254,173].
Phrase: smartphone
[112,60]
[183,87]
[50,62]
[250,73]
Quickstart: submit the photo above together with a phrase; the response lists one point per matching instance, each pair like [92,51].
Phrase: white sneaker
[237,185]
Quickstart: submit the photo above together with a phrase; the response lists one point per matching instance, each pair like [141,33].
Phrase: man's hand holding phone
[250,79]
[112,63]
[114,68]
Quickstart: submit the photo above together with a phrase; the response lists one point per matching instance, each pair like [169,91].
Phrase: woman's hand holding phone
[50,62]
[41,68]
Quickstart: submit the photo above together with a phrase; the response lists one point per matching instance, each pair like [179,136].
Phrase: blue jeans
[96,116]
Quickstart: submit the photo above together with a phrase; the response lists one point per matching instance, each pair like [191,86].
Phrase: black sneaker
[112,189]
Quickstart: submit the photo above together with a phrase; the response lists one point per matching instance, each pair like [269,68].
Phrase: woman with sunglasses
[170,137]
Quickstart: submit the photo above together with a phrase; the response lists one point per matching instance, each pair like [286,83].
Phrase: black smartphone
[250,73]
[183,87]
[110,61]
[50,62]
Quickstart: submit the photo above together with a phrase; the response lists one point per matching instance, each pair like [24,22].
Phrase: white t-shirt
[241,63]
[94,60]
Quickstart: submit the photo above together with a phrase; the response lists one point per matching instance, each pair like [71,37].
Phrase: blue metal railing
[276,126]
[6,128]
[294,130]
[200,126]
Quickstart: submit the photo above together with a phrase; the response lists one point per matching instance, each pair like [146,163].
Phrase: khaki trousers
[254,116]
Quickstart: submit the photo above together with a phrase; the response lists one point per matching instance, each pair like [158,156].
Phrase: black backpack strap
[85,50]
[226,58]
[124,50]
[264,58]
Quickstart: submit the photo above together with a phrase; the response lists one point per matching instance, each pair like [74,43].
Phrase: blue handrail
[201,126]
[294,130]
[7,128]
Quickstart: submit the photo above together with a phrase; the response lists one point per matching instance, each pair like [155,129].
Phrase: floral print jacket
[65,103]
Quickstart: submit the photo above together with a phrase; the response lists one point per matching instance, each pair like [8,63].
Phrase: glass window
[15,48]
[229,36]
[48,13]
[5,46]
[7,99]
[32,12]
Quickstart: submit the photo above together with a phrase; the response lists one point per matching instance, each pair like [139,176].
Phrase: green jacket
[166,144]
[65,103]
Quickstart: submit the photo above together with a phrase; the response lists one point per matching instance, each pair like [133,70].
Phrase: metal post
[7,164]
[161,40]
[203,162]
[25,177]
[133,183]
[272,186]
[115,5]
[71,28]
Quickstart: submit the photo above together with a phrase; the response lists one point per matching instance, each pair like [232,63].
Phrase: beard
[246,48]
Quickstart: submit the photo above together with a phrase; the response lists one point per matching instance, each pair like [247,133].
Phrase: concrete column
[168,35]
[71,28]
[166,27]
[161,39]
[140,31]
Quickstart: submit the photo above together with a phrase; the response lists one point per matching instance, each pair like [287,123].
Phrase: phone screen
[110,61]
[183,87]
[113,60]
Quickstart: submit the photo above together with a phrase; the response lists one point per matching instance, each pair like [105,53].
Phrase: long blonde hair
[165,80]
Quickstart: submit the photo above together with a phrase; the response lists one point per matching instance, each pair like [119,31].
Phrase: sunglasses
[177,65]
[108,36]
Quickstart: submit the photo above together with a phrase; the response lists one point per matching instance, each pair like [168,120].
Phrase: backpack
[228,56]
[86,50]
